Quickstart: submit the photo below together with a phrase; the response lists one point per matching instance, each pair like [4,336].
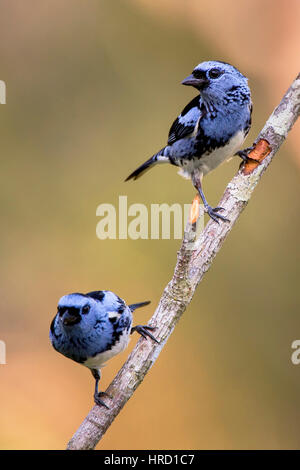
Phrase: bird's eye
[85,309]
[214,73]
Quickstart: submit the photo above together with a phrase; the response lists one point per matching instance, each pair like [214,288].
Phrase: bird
[210,129]
[92,328]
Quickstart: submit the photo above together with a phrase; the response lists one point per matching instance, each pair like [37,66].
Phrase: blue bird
[210,129]
[92,328]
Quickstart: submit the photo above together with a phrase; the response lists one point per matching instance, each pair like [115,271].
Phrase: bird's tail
[139,305]
[159,157]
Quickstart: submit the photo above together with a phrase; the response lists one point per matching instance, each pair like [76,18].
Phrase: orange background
[92,88]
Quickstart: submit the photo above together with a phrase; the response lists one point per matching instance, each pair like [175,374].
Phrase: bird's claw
[213,213]
[244,155]
[143,331]
[98,401]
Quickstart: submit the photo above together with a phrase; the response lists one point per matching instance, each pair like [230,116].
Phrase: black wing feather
[178,130]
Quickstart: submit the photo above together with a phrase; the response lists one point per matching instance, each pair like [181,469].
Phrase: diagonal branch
[194,259]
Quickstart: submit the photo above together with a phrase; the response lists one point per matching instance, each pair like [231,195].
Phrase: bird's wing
[186,121]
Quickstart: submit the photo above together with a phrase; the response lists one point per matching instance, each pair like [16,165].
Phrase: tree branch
[194,259]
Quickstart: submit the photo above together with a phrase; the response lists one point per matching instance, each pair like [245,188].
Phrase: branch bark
[194,259]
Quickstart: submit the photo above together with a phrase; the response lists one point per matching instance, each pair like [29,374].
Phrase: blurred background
[92,88]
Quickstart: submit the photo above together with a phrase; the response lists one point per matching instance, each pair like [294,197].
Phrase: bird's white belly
[210,161]
[100,359]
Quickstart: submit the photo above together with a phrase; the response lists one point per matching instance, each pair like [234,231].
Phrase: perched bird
[91,328]
[210,129]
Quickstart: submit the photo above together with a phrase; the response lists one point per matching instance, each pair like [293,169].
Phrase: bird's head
[86,311]
[215,80]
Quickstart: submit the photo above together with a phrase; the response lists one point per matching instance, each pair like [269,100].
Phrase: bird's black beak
[69,318]
[198,83]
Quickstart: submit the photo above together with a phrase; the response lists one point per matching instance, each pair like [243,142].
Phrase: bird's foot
[98,401]
[213,213]
[143,331]
[244,155]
